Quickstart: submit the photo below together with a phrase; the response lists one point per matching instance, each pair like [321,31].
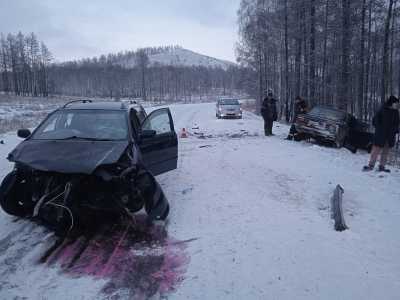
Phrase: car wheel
[9,196]
[165,215]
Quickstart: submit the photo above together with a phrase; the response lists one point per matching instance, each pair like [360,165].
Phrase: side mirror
[146,134]
[24,133]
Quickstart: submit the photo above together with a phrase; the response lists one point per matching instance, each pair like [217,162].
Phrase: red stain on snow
[137,260]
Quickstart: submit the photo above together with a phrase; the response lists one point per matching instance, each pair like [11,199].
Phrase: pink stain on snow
[137,259]
[173,261]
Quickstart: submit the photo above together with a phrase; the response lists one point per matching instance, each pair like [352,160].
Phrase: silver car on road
[228,108]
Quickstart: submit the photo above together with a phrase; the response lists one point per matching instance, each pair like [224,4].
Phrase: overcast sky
[86,28]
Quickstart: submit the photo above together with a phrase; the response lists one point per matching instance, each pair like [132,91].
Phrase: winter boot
[383,169]
[368,168]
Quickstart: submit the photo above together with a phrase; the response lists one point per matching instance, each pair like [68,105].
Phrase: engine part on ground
[337,209]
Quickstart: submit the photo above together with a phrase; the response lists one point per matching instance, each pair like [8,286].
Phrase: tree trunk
[361,63]
[368,66]
[345,74]
[385,55]
[392,46]
[324,60]
[306,78]
[312,53]
[287,111]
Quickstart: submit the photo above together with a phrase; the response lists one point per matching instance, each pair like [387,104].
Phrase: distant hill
[174,55]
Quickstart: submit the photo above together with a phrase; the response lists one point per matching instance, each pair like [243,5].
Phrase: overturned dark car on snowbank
[327,124]
[88,162]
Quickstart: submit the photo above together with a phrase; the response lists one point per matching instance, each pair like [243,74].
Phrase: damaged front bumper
[70,202]
[317,133]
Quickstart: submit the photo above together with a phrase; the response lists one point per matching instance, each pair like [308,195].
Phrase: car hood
[71,157]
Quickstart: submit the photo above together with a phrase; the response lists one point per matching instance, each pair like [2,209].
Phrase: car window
[159,121]
[228,102]
[89,124]
[51,125]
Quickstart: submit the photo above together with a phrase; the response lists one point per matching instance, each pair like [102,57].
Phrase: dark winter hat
[392,99]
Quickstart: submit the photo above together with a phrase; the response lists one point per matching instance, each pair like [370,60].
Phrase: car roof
[96,105]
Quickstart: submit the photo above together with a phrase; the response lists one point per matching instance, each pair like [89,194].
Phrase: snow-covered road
[253,215]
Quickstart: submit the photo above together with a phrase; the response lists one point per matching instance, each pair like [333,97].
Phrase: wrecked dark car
[88,162]
[326,124]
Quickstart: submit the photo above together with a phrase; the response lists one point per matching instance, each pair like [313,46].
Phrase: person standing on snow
[300,107]
[269,113]
[386,123]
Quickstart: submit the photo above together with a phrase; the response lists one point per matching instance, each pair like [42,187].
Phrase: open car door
[159,142]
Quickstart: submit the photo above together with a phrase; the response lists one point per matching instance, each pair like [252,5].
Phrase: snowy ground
[250,220]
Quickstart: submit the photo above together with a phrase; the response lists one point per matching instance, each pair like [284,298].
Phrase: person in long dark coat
[300,107]
[386,123]
[269,113]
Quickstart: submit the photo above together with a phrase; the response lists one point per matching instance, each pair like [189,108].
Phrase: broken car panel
[325,123]
[90,161]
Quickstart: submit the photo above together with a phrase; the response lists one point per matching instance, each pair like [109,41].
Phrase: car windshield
[83,124]
[327,113]
[228,102]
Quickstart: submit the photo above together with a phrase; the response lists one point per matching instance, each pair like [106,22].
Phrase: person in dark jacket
[300,107]
[386,123]
[269,113]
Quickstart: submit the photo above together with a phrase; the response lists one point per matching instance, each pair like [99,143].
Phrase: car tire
[9,196]
[165,215]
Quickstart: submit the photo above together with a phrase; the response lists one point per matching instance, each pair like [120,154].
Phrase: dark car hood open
[71,157]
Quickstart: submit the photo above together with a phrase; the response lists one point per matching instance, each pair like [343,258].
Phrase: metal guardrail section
[337,209]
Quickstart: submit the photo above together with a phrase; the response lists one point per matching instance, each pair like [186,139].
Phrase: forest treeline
[27,69]
[24,63]
[344,53]
[132,74]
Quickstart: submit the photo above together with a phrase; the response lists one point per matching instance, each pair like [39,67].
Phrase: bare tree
[385,54]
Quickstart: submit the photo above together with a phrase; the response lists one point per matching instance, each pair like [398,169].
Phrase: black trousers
[268,124]
[293,130]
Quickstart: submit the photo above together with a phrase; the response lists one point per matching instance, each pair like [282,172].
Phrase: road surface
[249,220]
